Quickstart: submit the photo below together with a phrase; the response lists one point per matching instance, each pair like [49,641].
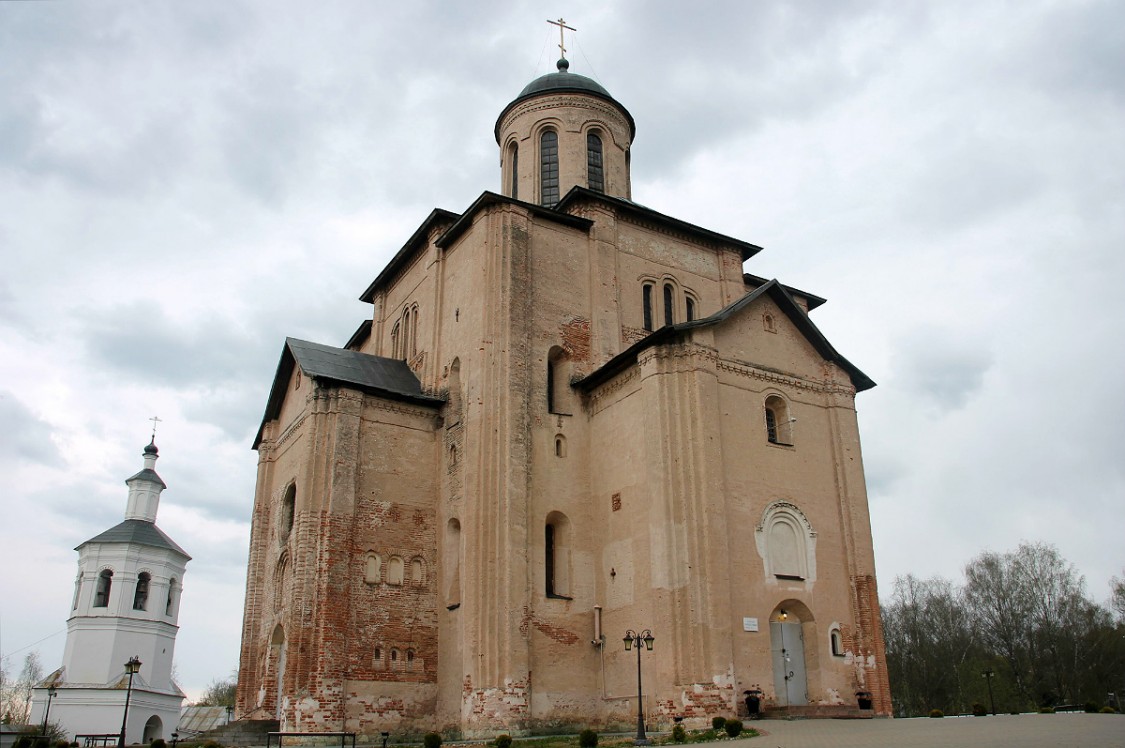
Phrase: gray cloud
[24,437]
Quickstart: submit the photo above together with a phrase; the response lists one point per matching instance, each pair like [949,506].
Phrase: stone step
[817,711]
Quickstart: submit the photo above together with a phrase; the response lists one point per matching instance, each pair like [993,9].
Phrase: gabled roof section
[138,532]
[360,336]
[387,377]
[777,293]
[577,193]
[491,198]
[416,242]
[756,281]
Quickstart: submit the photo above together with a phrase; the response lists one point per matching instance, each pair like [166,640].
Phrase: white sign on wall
[749,624]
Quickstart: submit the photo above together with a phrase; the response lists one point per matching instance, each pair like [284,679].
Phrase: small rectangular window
[646,293]
[690,309]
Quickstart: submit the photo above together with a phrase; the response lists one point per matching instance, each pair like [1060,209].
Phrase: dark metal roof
[361,334]
[138,532]
[576,193]
[491,198]
[387,377]
[670,333]
[402,258]
[146,474]
[564,82]
[754,281]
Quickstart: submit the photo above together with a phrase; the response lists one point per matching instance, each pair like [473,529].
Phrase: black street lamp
[50,695]
[131,667]
[230,714]
[642,640]
[175,739]
[988,675]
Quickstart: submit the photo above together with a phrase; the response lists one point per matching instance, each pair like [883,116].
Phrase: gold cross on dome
[562,42]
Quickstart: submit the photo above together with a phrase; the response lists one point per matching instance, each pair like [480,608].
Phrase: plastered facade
[437,565]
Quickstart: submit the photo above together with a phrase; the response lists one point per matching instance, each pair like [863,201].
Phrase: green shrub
[23,741]
[733,727]
[158,743]
[679,734]
[42,742]
[431,740]
[1046,710]
[588,738]
[936,713]
[1107,710]
[503,741]
[979,709]
[717,723]
[211,744]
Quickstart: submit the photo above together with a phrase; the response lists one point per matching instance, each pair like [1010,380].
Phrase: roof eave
[491,198]
[403,256]
[746,249]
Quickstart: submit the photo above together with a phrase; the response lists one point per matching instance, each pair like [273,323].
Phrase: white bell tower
[126,604]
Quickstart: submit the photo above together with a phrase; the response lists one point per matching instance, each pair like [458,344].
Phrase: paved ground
[1002,731]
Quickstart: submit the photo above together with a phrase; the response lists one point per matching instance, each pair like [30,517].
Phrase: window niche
[559,395]
[170,601]
[779,424]
[646,301]
[286,513]
[836,642]
[451,564]
[372,568]
[556,556]
[786,542]
[395,571]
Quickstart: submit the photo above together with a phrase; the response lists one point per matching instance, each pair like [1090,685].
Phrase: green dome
[564,81]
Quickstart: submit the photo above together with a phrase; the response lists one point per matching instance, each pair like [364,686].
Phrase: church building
[123,617]
[568,416]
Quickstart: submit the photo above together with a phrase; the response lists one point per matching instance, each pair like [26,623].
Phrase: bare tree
[221,692]
[15,695]
[1117,597]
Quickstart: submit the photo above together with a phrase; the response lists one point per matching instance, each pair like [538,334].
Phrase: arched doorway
[154,729]
[787,647]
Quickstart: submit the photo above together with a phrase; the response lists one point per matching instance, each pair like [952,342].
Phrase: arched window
[171,593]
[451,561]
[286,512]
[560,445]
[396,342]
[279,571]
[768,324]
[454,405]
[394,570]
[779,426]
[690,305]
[556,555]
[414,330]
[409,657]
[595,174]
[372,568]
[77,591]
[549,169]
[140,597]
[836,642]
[646,300]
[514,170]
[377,658]
[394,655]
[669,304]
[101,594]
[417,571]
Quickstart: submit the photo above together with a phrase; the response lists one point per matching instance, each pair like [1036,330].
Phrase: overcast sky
[183,184]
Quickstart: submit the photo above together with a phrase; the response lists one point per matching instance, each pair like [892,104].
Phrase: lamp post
[643,640]
[175,739]
[988,675]
[131,667]
[230,714]
[50,695]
